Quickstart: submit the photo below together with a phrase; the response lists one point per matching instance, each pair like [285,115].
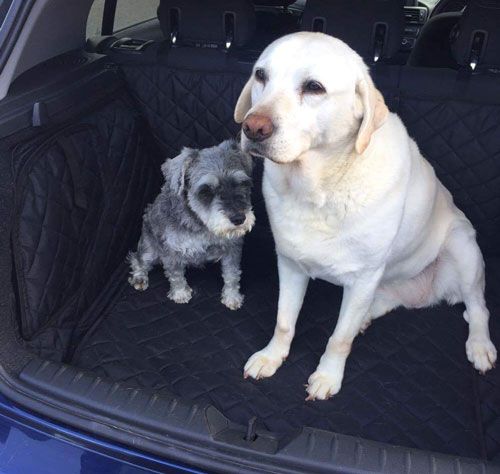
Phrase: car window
[131,12]
[430,4]
[127,13]
[94,21]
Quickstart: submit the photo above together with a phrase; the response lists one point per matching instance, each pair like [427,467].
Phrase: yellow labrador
[352,201]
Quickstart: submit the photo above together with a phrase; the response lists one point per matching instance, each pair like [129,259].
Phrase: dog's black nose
[237,219]
[258,127]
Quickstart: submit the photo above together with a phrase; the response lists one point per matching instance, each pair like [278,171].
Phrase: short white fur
[351,200]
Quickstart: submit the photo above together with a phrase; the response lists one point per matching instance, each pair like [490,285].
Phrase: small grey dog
[200,215]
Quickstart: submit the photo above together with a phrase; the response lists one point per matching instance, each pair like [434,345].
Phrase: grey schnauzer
[200,215]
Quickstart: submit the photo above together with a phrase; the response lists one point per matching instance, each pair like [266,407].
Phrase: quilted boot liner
[407,381]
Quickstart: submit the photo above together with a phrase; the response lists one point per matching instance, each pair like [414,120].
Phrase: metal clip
[379,38]
[174,25]
[251,434]
[229,29]
[477,45]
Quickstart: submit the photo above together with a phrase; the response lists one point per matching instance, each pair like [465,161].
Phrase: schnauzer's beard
[217,222]
[220,225]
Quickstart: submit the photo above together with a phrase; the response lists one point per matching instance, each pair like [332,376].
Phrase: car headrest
[201,23]
[374,29]
[273,3]
[476,41]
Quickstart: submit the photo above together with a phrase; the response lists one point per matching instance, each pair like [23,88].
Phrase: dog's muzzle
[257,127]
[237,219]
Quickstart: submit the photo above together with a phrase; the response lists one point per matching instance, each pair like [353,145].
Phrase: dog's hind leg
[416,292]
[141,263]
[383,302]
[180,292]
[469,281]
[231,274]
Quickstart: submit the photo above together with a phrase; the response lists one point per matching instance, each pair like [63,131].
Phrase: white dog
[351,201]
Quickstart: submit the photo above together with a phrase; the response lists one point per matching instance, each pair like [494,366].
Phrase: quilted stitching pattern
[186,108]
[73,253]
[489,385]
[460,140]
[407,381]
[63,230]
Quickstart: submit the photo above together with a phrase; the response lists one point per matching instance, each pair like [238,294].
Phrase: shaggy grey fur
[200,215]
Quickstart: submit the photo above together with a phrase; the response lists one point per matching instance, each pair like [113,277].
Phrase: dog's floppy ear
[374,111]
[175,169]
[244,103]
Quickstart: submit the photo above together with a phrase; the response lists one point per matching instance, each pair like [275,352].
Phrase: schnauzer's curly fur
[200,215]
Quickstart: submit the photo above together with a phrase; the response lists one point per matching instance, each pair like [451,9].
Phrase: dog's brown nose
[258,127]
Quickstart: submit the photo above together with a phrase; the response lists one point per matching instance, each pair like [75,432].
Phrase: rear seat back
[187,86]
[454,115]
[456,124]
[432,48]
[188,94]
[274,19]
[476,43]
[373,29]
[456,39]
[192,23]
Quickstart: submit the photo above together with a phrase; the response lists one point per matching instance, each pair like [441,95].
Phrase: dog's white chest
[313,237]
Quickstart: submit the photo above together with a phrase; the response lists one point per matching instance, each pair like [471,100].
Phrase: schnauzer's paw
[232,299]
[481,352]
[322,386]
[181,295]
[140,283]
[260,366]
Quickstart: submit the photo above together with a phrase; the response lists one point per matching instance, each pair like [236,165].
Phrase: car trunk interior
[77,170]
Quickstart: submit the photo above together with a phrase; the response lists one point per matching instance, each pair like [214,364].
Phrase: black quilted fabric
[47,195]
[407,380]
[489,385]
[186,108]
[461,140]
[78,215]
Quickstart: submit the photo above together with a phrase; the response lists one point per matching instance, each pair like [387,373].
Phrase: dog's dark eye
[206,193]
[246,183]
[260,75]
[313,87]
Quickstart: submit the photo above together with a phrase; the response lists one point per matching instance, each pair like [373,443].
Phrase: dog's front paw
[140,283]
[261,365]
[481,352]
[232,299]
[181,295]
[322,386]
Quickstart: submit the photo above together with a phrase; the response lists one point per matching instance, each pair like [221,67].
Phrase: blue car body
[32,444]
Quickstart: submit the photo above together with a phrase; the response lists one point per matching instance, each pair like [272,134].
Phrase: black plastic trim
[108,17]
[29,104]
[193,434]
